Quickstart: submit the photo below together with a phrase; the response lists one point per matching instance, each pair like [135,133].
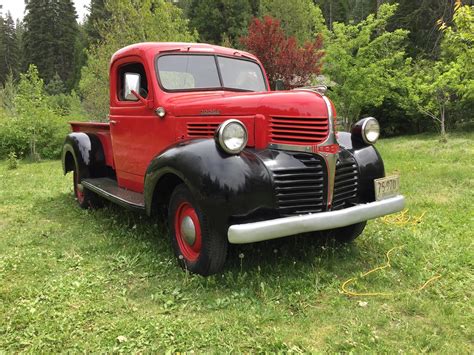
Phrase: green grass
[106,280]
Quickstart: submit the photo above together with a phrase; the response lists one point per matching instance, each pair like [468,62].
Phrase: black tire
[85,198]
[345,234]
[203,252]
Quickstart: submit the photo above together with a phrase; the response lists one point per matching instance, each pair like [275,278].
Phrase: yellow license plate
[386,187]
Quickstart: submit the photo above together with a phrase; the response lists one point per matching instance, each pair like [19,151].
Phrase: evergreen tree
[50,37]
[98,14]
[9,55]
[218,19]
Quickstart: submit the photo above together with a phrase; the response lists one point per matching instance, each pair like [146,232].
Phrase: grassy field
[106,280]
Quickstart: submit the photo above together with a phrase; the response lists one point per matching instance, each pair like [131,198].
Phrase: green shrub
[12,161]
[34,129]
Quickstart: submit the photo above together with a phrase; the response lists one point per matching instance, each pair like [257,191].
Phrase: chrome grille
[201,129]
[301,130]
[301,190]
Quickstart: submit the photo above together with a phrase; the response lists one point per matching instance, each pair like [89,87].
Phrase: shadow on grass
[135,231]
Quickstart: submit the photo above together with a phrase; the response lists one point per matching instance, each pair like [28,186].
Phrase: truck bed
[102,131]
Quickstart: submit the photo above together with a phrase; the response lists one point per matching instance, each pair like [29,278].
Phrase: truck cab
[194,130]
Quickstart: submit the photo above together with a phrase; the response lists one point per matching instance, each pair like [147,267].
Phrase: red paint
[136,134]
[189,252]
[331,149]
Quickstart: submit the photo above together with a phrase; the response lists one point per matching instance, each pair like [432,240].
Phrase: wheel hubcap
[188,230]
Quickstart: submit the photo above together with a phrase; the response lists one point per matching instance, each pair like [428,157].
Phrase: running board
[109,189]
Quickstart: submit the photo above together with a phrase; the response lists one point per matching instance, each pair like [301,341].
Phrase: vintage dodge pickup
[194,131]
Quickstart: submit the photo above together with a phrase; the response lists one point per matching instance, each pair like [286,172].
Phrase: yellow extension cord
[399,219]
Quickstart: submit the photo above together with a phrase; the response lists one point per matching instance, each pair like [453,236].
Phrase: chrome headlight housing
[232,136]
[368,129]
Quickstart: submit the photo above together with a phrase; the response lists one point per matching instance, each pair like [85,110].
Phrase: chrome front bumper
[282,227]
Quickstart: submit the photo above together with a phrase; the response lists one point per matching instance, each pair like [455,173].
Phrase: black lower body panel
[109,189]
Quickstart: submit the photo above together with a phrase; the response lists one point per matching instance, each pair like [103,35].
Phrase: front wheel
[345,234]
[198,248]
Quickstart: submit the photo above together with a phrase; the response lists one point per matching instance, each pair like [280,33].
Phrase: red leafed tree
[281,56]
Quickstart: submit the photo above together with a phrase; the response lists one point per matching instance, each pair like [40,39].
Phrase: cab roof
[152,48]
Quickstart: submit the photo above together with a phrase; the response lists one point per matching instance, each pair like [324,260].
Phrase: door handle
[112,122]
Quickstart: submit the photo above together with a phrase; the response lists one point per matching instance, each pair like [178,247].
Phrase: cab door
[133,123]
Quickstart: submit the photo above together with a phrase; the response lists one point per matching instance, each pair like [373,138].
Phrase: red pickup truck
[194,130]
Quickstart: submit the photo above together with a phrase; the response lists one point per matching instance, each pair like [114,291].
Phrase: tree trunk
[442,122]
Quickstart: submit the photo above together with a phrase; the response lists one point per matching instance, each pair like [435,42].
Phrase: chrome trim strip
[331,159]
[282,227]
[291,147]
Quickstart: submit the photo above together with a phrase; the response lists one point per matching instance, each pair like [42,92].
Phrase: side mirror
[131,82]
[279,85]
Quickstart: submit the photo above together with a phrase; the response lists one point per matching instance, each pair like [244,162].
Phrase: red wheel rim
[185,214]
[79,194]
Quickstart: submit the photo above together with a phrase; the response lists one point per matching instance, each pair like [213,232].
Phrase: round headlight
[232,136]
[370,130]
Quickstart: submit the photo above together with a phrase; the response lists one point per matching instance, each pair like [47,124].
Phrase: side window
[135,68]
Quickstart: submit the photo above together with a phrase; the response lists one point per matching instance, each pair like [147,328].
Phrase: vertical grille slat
[298,130]
[345,184]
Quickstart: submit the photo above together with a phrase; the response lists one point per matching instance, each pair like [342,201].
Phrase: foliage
[106,281]
[435,86]
[281,56]
[98,14]
[50,38]
[12,161]
[365,61]
[420,19]
[34,129]
[7,95]
[215,20]
[301,19]
[130,22]
[9,52]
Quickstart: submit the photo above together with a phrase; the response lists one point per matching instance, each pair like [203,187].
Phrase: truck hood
[225,103]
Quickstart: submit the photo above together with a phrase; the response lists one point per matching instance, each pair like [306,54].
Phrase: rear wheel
[198,248]
[85,198]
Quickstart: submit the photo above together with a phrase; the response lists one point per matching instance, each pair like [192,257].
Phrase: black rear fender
[84,150]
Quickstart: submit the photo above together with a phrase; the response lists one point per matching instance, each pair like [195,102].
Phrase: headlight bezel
[360,130]
[220,138]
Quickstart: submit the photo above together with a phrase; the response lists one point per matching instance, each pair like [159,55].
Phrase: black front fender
[224,185]
[369,161]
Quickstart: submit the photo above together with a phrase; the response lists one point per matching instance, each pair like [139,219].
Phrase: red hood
[225,103]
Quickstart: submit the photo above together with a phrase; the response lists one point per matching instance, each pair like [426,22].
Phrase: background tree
[98,14]
[130,22]
[301,19]
[9,53]
[49,39]
[218,19]
[420,19]
[281,56]
[364,60]
[437,86]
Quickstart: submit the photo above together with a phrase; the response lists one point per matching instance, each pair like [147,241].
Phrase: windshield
[209,72]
